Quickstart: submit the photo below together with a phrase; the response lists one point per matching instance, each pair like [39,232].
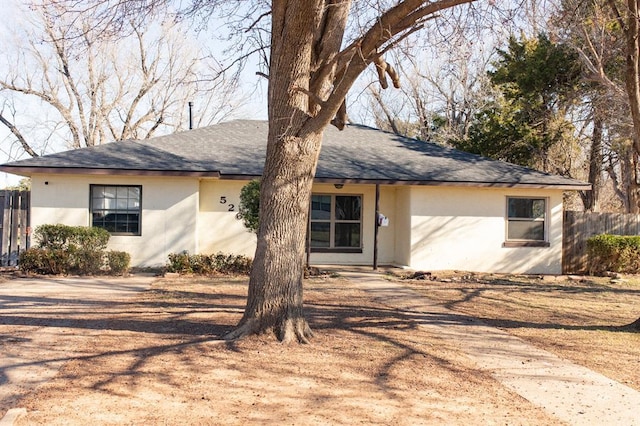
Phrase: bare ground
[158,360]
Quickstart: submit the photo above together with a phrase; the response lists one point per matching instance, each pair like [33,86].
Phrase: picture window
[116,208]
[336,222]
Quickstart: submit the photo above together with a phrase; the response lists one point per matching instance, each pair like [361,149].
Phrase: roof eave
[31,170]
[578,186]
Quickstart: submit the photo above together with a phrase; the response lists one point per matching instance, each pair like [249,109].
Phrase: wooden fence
[580,226]
[14,225]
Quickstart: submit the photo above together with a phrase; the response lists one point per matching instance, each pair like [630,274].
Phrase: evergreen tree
[535,81]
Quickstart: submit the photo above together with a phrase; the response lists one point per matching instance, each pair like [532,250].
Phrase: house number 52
[231,207]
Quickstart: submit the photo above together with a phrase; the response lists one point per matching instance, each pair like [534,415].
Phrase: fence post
[14,225]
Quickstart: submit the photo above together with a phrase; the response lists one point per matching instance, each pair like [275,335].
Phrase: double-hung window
[116,208]
[526,221]
[336,222]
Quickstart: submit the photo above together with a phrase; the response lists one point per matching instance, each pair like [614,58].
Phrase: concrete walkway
[574,394]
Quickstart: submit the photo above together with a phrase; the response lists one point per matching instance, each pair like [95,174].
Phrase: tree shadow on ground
[515,293]
[134,339]
[507,324]
[171,314]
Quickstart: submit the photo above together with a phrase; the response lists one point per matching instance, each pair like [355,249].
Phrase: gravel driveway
[41,325]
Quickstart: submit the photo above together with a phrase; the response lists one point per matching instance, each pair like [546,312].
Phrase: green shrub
[74,237]
[179,262]
[32,260]
[44,261]
[53,236]
[62,249]
[202,264]
[614,253]
[118,262]
[233,264]
[85,247]
[84,261]
[250,205]
[89,239]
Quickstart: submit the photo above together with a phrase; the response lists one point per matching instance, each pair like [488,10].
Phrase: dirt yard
[158,359]
[581,319]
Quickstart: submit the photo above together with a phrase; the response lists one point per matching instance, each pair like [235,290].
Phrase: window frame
[332,224]
[523,242]
[127,211]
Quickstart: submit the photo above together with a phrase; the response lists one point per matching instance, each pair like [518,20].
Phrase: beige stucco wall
[465,228]
[431,228]
[218,227]
[402,217]
[169,212]
[386,234]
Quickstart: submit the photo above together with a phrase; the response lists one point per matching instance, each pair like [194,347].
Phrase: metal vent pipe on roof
[190,115]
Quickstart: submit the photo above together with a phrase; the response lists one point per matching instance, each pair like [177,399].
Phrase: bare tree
[7,117]
[626,15]
[609,41]
[588,26]
[95,89]
[437,101]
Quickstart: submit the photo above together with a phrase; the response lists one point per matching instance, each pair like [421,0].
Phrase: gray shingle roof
[237,149]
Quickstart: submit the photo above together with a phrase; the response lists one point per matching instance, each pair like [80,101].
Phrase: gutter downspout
[375,231]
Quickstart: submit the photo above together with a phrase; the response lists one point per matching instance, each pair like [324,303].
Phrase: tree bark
[275,285]
[632,80]
[275,299]
[631,28]
[626,173]
[595,166]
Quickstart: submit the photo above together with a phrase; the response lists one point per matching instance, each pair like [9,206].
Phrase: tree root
[294,330]
[243,330]
[288,331]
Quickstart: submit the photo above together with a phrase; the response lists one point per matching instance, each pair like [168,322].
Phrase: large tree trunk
[632,81]
[275,287]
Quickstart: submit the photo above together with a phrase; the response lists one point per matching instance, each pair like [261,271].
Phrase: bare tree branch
[25,145]
[104,89]
[353,59]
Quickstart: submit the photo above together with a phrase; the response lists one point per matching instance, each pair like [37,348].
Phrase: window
[116,208]
[336,222]
[526,221]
